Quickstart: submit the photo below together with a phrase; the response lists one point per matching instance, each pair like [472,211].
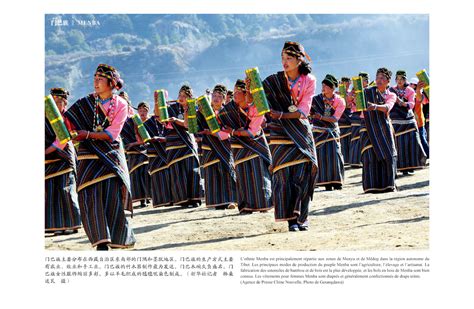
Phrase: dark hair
[188,91]
[143,104]
[304,68]
[386,72]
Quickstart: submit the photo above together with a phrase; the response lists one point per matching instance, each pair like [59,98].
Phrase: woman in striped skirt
[158,166]
[345,125]
[355,150]
[294,161]
[62,214]
[250,150]
[217,160]
[379,155]
[326,109]
[182,154]
[103,184]
[137,158]
[410,153]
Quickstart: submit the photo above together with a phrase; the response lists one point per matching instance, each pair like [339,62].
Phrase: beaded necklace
[291,85]
[328,105]
[97,126]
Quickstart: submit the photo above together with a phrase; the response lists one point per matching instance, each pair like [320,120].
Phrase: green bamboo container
[361,105]
[342,91]
[56,120]
[208,112]
[423,77]
[160,101]
[141,128]
[257,91]
[192,120]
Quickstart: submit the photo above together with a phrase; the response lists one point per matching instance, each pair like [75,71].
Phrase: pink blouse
[389,98]
[409,95]
[118,118]
[306,93]
[339,104]
[256,120]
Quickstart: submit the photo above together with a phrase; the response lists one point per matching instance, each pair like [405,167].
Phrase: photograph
[237,132]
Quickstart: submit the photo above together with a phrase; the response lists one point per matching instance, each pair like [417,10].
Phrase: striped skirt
[183,167]
[61,207]
[139,177]
[409,148]
[293,180]
[330,160]
[220,187]
[254,185]
[102,211]
[186,184]
[160,183]
[355,148]
[345,142]
[377,175]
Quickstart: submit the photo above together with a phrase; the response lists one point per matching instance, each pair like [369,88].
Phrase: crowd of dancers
[254,163]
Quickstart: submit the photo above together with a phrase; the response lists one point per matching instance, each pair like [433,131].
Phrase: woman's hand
[159,139]
[371,106]
[275,114]
[205,132]
[227,130]
[81,135]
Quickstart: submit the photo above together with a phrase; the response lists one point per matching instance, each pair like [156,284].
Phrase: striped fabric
[61,207]
[410,152]
[158,166]
[378,148]
[61,204]
[294,157]
[128,132]
[299,130]
[139,177]
[293,179]
[137,162]
[103,182]
[102,211]
[328,149]
[252,158]
[112,156]
[218,169]
[345,138]
[355,146]
[183,163]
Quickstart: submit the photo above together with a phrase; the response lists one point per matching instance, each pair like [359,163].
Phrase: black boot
[293,225]
[102,247]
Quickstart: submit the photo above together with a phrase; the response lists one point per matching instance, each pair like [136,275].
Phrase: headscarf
[296,49]
[59,92]
[111,74]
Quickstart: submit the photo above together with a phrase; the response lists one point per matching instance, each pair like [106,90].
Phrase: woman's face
[289,62]
[381,81]
[239,95]
[101,85]
[217,100]
[182,98]
[347,84]
[326,90]
[401,81]
[142,112]
[61,103]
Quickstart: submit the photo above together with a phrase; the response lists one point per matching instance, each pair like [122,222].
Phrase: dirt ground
[339,220]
